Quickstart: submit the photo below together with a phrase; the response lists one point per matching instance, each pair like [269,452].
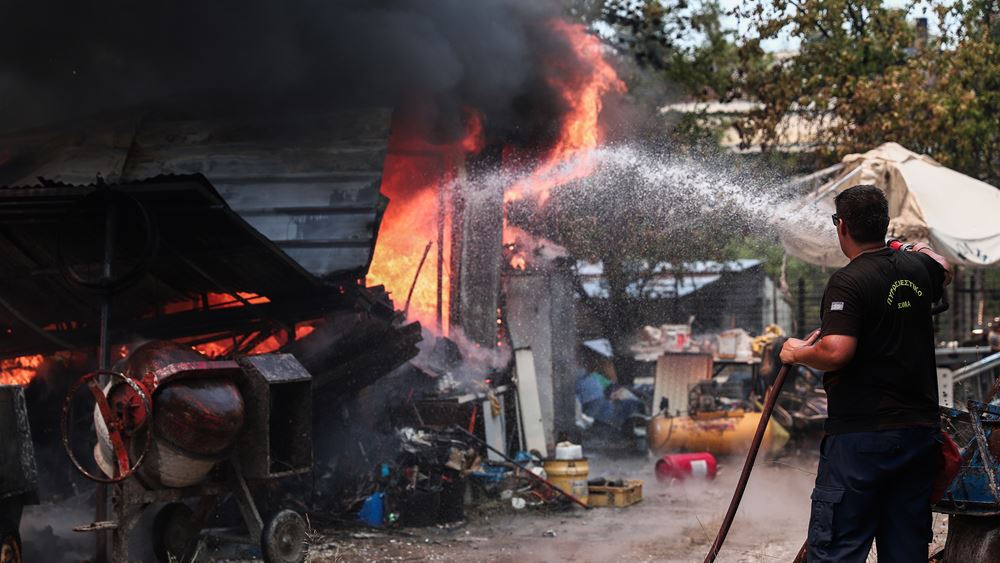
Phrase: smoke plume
[62,60]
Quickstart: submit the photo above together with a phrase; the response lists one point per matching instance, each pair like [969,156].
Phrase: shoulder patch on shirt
[837,306]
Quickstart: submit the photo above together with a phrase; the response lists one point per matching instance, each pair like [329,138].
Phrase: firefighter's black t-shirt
[883,298]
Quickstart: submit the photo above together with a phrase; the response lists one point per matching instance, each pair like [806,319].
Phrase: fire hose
[741,485]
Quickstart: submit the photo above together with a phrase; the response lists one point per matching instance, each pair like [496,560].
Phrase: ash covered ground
[673,523]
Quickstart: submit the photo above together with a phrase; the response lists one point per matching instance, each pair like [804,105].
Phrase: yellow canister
[569,475]
[723,433]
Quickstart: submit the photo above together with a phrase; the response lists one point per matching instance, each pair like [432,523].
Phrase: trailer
[972,500]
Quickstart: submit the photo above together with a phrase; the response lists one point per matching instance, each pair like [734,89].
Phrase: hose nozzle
[897,244]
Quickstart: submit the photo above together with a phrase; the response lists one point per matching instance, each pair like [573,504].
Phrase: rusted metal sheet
[202,246]
[481,266]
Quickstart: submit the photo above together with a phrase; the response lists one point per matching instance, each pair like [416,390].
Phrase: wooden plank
[531,408]
[496,428]
[482,259]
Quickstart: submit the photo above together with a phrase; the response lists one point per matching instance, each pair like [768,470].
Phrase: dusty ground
[672,524]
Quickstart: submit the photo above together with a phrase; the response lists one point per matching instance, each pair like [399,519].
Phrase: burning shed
[117,259]
[239,232]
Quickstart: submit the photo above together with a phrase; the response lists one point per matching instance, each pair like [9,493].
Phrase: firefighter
[879,455]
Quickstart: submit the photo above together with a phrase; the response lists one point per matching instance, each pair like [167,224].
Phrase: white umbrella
[958,215]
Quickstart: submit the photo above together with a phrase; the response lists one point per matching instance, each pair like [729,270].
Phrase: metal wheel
[172,532]
[283,539]
[115,424]
[10,547]
[106,241]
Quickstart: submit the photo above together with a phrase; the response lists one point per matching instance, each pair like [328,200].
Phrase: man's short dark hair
[865,212]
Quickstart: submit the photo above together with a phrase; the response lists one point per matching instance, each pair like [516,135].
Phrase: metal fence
[974,301]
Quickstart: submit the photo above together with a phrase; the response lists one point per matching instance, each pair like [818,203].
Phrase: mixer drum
[196,423]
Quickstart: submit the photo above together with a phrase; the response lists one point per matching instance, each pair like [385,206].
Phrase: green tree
[861,78]
[843,44]
[686,41]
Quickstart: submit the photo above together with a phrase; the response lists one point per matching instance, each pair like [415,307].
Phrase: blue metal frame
[975,490]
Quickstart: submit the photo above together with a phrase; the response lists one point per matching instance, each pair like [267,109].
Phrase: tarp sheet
[954,213]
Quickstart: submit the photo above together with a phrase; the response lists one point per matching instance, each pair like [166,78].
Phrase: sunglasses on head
[836,219]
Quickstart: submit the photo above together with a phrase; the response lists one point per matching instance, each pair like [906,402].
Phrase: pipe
[741,485]
[528,473]
[416,276]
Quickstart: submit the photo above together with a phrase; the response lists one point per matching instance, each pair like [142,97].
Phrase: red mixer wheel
[122,467]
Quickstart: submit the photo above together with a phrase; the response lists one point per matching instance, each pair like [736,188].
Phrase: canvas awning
[954,213]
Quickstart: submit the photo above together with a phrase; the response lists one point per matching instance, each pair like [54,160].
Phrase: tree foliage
[686,41]
[861,76]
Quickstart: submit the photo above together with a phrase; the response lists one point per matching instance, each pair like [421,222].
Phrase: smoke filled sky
[61,60]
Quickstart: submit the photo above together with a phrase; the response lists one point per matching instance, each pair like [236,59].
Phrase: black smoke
[61,60]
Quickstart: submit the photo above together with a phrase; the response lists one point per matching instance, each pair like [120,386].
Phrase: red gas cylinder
[683,466]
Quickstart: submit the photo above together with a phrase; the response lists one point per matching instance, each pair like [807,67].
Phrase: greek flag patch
[837,306]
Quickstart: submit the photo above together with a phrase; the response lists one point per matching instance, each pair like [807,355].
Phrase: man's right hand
[926,249]
[787,354]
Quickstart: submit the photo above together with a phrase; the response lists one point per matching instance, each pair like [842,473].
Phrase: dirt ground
[673,523]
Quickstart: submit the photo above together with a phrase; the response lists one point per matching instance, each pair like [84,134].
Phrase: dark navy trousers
[874,485]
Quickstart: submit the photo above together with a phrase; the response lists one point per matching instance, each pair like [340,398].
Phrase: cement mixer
[172,425]
[199,417]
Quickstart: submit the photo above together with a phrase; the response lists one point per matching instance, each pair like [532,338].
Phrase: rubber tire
[172,531]
[283,539]
[10,546]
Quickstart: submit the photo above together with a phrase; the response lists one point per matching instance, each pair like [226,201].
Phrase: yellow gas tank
[721,433]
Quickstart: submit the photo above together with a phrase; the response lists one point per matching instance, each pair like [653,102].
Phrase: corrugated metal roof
[310,183]
[663,284]
[201,246]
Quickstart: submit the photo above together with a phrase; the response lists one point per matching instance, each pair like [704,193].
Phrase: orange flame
[222,347]
[215,301]
[417,179]
[20,370]
[580,132]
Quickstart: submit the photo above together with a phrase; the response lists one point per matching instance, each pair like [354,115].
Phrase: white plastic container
[567,451]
